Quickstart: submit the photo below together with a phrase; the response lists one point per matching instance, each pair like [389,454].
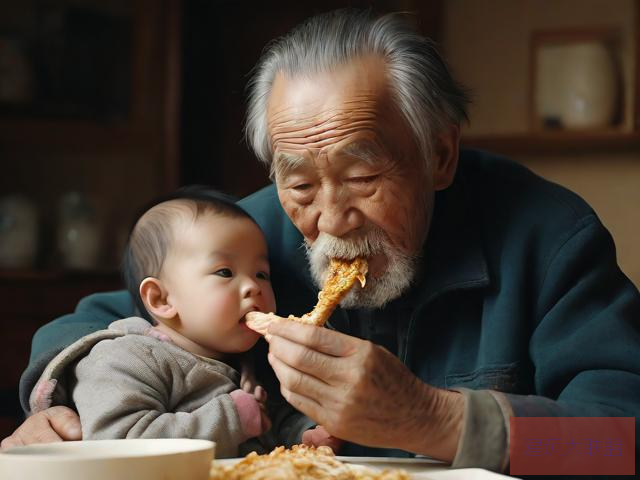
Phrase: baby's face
[216,272]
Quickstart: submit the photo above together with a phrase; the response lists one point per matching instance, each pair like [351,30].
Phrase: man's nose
[337,216]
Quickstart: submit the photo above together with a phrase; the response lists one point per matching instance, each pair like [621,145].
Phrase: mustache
[326,245]
[397,278]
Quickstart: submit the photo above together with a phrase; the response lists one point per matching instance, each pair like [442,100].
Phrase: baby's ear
[156,299]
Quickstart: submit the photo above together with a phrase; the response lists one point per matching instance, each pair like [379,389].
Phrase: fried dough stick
[341,278]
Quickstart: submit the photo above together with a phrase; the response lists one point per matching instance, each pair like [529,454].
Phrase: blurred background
[105,104]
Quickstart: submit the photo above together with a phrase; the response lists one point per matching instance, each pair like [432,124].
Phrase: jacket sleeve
[124,392]
[586,344]
[585,347]
[93,313]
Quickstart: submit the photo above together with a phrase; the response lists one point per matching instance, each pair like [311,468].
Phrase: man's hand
[361,392]
[54,424]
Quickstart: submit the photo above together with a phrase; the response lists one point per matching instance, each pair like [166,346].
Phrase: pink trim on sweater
[248,412]
[41,395]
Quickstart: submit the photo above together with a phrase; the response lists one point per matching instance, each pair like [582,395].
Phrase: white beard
[396,279]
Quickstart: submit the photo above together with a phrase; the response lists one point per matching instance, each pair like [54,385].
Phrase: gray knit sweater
[126,383]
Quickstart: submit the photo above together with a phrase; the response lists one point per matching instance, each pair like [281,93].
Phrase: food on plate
[341,278]
[299,462]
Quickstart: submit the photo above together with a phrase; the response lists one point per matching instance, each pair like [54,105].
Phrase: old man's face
[349,175]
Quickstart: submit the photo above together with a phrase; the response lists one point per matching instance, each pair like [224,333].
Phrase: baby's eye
[224,272]
[263,276]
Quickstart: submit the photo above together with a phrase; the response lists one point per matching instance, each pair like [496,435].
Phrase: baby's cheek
[271,302]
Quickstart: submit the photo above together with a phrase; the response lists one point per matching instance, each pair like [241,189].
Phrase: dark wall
[221,43]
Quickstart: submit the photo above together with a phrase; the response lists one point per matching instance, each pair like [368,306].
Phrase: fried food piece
[300,462]
[340,279]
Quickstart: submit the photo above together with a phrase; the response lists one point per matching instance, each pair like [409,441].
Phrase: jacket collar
[453,255]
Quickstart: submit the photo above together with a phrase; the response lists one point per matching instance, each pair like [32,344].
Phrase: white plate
[136,459]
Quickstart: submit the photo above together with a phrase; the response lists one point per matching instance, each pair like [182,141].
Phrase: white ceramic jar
[590,84]
[18,232]
[79,236]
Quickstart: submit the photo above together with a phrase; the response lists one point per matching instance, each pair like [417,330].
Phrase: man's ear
[446,157]
[155,299]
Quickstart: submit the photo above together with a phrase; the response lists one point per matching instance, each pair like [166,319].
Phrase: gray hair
[425,92]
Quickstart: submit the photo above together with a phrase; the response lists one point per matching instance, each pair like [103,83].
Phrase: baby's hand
[260,394]
[249,384]
[319,437]
[248,381]
[265,421]
[252,414]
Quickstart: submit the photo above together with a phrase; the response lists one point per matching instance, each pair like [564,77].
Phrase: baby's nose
[250,288]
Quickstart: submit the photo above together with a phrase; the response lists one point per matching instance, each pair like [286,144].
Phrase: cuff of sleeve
[484,440]
[301,425]
[248,412]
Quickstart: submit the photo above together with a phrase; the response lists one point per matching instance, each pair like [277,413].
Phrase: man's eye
[301,187]
[263,276]
[364,179]
[224,272]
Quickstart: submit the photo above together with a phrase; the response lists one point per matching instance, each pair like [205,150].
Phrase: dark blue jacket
[520,295]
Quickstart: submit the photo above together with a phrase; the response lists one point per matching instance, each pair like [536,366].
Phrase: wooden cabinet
[114,140]
[30,300]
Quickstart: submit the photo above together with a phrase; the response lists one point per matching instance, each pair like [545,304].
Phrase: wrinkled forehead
[314,112]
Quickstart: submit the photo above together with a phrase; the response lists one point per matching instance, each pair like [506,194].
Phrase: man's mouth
[377,265]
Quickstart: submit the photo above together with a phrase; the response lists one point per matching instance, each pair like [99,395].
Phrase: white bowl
[136,459]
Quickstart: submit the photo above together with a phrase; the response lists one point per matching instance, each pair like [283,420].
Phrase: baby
[195,265]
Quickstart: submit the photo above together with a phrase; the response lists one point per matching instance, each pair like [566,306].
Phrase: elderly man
[491,293]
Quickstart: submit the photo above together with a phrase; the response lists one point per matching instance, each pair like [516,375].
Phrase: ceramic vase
[589,81]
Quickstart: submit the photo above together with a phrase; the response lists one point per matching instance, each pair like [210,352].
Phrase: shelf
[552,142]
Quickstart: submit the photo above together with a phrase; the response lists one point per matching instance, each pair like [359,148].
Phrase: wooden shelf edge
[555,142]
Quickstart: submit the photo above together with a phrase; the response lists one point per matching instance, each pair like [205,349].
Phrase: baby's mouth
[244,317]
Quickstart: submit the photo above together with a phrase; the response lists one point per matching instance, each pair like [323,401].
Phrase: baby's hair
[152,233]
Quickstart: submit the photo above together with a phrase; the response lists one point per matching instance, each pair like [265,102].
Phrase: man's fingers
[300,390]
[303,359]
[65,422]
[308,406]
[52,425]
[10,442]
[43,435]
[317,338]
